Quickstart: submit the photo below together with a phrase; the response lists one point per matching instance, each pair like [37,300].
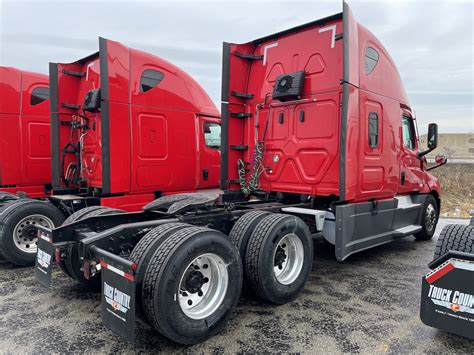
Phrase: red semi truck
[318,136]
[126,127]
[25,161]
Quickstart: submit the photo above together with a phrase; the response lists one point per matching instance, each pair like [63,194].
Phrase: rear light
[134,266]
[57,255]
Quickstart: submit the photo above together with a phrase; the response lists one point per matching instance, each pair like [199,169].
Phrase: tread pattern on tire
[241,225]
[254,248]
[168,200]
[457,237]
[139,253]
[155,267]
[6,211]
[5,206]
[76,216]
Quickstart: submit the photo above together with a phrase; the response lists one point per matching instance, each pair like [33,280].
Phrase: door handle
[205,174]
[403,178]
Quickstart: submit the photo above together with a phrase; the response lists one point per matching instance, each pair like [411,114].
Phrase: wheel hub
[280,256]
[288,259]
[430,217]
[29,232]
[203,286]
[25,231]
[194,281]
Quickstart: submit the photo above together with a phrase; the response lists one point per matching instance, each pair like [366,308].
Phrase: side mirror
[432,136]
[439,160]
[432,139]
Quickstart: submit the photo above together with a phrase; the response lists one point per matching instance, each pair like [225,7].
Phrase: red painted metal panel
[25,162]
[307,153]
[300,154]
[140,141]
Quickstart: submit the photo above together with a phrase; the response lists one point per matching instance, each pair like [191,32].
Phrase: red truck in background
[25,160]
[318,137]
[126,128]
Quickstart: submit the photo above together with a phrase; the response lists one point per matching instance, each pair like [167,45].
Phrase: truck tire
[168,200]
[142,254]
[429,219]
[76,216]
[18,235]
[192,284]
[279,258]
[457,237]
[243,228]
[72,264]
[240,234]
[7,196]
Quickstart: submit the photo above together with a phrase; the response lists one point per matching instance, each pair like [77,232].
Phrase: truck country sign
[448,297]
[454,300]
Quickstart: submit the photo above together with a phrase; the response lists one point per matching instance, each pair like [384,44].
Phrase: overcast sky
[430,41]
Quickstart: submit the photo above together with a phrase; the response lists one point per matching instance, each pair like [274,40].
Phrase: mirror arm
[436,166]
[423,153]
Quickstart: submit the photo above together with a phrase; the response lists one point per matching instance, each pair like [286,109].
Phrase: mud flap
[118,294]
[447,299]
[44,258]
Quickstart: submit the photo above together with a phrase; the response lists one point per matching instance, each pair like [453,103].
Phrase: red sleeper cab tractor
[25,160]
[126,127]
[318,136]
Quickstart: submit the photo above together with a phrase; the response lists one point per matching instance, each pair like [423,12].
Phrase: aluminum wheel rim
[25,243]
[430,217]
[201,302]
[288,259]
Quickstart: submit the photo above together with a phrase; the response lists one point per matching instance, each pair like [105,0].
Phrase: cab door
[411,175]
[209,151]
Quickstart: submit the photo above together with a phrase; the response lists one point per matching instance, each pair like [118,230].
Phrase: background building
[453,145]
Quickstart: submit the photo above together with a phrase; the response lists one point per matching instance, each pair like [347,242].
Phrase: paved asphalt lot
[368,303]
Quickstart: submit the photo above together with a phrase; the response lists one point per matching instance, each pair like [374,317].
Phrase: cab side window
[38,95]
[371,60]
[212,135]
[408,129]
[150,78]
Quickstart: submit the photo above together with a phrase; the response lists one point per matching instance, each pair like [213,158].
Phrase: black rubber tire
[259,257]
[142,254]
[168,200]
[163,276]
[78,215]
[71,265]
[14,212]
[3,207]
[8,196]
[243,228]
[240,234]
[426,233]
[456,237]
